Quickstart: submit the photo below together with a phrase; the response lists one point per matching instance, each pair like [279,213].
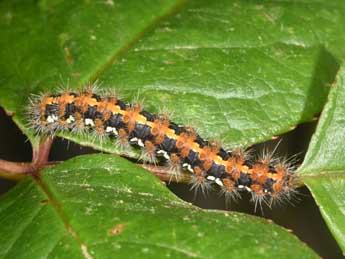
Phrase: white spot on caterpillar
[211,178]
[248,189]
[70,119]
[164,153]
[137,141]
[188,167]
[52,118]
[140,143]
[89,122]
[240,186]
[111,129]
[219,182]
[134,140]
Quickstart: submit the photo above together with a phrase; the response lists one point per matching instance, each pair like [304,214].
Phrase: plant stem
[18,170]
[165,175]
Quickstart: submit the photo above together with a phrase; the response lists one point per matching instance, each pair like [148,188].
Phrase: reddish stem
[18,170]
[165,175]
[41,155]
[16,167]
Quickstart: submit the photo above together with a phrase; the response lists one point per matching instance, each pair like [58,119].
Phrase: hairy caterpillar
[267,179]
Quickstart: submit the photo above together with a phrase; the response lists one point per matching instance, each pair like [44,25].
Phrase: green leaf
[237,70]
[100,206]
[249,70]
[323,169]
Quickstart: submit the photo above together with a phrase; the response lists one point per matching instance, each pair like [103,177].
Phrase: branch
[18,170]
[41,154]
[14,170]
[167,176]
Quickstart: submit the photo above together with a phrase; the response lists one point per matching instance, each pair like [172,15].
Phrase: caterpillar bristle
[174,164]
[259,200]
[148,153]
[163,111]
[102,115]
[91,87]
[200,184]
[230,192]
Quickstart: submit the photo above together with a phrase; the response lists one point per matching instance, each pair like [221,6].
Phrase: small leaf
[100,206]
[323,169]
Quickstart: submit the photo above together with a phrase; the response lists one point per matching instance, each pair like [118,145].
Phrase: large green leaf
[249,70]
[101,206]
[240,71]
[323,169]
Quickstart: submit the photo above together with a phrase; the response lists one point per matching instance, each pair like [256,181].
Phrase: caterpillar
[181,147]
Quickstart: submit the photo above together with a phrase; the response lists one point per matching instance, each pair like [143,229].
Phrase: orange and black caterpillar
[266,179]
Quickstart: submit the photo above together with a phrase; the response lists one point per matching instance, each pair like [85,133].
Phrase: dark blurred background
[301,216]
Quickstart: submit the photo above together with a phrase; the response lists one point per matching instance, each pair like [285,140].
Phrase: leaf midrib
[93,77]
[323,174]
[69,228]
[57,207]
